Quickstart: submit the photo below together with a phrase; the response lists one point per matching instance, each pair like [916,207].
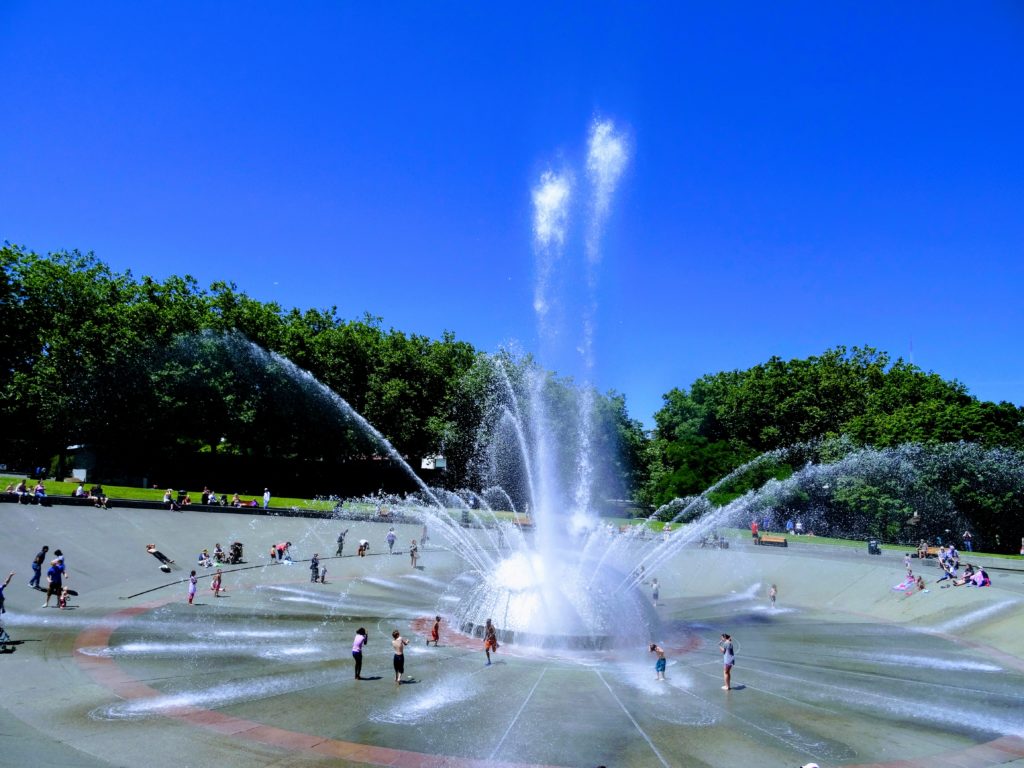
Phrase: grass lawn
[61,488]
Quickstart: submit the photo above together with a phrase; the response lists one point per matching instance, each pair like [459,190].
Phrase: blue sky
[800,175]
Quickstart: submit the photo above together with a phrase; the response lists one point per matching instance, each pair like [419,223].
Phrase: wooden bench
[772,541]
[523,521]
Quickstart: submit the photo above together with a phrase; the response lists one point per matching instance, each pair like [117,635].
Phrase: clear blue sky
[801,175]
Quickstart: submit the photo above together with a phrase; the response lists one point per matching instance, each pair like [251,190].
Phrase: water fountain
[843,671]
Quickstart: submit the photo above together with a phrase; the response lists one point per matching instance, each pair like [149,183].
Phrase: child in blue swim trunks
[659,665]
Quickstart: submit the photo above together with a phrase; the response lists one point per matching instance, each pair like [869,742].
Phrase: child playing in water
[191,587]
[773,592]
[659,665]
[215,585]
[490,641]
[435,632]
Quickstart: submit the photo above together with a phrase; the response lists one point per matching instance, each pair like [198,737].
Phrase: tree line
[152,374]
[149,374]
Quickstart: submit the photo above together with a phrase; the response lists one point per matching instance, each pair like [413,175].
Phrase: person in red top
[753,528]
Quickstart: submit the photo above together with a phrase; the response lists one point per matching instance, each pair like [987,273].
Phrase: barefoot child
[435,632]
[191,587]
[215,585]
[490,640]
[728,660]
[659,665]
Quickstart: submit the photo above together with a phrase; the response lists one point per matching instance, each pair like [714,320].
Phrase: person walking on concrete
[391,537]
[37,568]
[314,568]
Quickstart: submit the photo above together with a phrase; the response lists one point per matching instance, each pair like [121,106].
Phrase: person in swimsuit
[659,665]
[435,632]
[398,643]
[490,640]
[215,585]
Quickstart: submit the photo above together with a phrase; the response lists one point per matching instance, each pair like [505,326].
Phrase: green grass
[61,488]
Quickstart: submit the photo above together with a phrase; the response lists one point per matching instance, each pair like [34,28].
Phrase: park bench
[523,521]
[772,541]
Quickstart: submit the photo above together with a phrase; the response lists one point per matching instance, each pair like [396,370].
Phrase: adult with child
[314,568]
[55,577]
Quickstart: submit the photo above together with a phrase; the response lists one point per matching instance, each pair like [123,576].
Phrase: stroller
[235,553]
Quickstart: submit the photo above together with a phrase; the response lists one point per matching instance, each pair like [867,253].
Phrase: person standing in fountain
[398,643]
[659,665]
[341,542]
[654,591]
[314,568]
[192,581]
[435,632]
[391,537]
[215,586]
[357,651]
[728,660]
[414,552]
[773,592]
[490,640]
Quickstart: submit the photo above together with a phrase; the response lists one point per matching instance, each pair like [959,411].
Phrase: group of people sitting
[949,562]
[184,499]
[24,494]
[95,494]
[220,557]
